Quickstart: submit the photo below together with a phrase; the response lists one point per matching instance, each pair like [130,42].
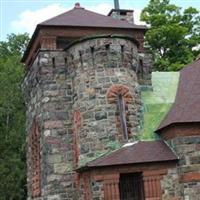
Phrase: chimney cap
[77,5]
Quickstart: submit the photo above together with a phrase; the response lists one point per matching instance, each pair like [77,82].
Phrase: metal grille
[131,187]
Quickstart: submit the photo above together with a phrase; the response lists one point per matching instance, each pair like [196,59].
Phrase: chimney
[122,14]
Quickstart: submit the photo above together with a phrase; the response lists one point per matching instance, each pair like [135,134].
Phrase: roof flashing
[130,144]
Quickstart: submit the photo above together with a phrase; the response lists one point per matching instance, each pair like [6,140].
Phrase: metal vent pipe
[116,4]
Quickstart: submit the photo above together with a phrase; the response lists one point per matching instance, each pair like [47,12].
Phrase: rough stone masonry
[70,97]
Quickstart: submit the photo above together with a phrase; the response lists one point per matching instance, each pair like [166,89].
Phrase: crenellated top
[53,34]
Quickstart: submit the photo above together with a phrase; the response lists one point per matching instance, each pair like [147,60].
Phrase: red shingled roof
[140,152]
[80,17]
[186,107]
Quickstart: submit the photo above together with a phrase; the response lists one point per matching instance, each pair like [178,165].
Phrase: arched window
[120,95]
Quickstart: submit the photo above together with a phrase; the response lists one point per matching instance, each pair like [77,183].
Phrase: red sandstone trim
[112,97]
[34,142]
[116,90]
[180,130]
[190,177]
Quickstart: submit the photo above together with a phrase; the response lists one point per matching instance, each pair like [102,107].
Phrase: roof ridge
[108,16]
[73,9]
[41,23]
[76,16]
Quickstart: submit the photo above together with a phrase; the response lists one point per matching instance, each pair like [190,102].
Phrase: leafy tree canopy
[12,119]
[173,34]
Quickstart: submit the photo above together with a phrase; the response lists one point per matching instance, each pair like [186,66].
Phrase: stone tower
[82,96]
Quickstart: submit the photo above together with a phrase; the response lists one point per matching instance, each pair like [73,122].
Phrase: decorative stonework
[117,90]
[114,94]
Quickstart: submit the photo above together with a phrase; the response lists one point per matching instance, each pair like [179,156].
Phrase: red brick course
[180,130]
[34,143]
[190,177]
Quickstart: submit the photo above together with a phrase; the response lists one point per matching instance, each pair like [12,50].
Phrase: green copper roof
[157,101]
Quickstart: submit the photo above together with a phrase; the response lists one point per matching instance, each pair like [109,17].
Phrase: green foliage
[113,145]
[173,34]
[12,119]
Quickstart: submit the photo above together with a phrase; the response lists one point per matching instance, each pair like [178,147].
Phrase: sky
[19,16]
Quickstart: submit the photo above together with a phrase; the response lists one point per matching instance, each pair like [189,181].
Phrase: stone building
[84,77]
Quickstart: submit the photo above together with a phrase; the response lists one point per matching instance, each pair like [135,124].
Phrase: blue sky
[19,16]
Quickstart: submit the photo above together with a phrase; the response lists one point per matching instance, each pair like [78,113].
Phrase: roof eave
[142,27]
[35,33]
[161,128]
[88,167]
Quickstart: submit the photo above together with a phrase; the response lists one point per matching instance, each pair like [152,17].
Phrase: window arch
[120,95]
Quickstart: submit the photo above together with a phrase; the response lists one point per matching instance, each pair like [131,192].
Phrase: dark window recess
[131,187]
[122,54]
[123,13]
[53,62]
[92,52]
[122,116]
[62,42]
[141,70]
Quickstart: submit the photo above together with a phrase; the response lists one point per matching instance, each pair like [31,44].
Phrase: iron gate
[131,187]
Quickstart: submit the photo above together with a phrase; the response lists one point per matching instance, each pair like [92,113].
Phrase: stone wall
[48,99]
[171,188]
[67,94]
[184,181]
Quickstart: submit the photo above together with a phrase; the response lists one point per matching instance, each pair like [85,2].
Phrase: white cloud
[27,20]
[137,13]
[102,8]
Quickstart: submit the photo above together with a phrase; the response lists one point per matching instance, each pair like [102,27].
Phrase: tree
[173,34]
[12,119]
